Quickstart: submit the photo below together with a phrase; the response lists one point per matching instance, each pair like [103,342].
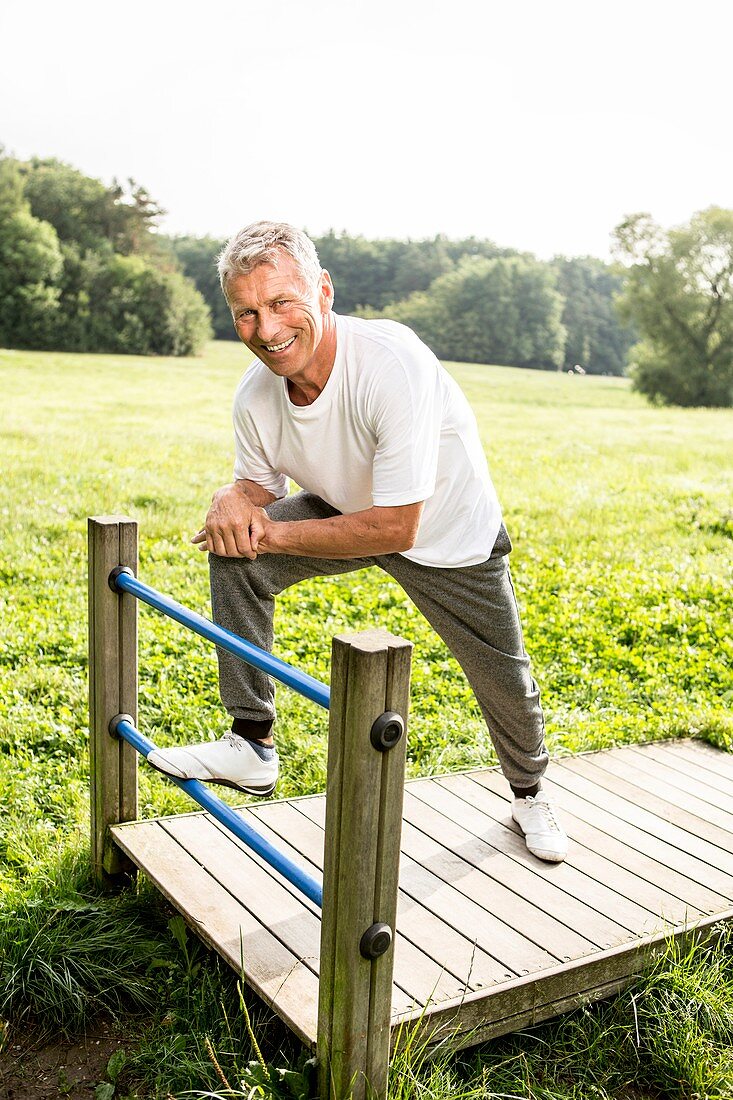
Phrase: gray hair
[264,243]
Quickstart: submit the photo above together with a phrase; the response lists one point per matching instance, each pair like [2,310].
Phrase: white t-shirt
[390,427]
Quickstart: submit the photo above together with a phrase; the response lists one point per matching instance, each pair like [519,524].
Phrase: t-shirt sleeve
[250,460]
[407,415]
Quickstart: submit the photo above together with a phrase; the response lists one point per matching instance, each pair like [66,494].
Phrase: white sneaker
[543,833]
[230,761]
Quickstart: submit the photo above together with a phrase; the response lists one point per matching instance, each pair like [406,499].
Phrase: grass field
[622,520]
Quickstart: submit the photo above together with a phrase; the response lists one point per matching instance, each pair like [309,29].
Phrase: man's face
[281,319]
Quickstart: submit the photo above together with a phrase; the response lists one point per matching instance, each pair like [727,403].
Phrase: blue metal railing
[218,809]
[124,581]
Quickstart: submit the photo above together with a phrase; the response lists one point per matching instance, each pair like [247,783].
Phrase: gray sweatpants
[473,609]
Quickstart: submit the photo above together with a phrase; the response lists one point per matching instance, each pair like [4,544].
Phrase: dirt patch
[62,1067]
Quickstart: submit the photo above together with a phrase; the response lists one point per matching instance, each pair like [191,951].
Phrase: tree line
[84,268]
[469,299]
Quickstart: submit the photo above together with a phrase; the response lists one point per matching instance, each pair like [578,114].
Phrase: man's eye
[283,302]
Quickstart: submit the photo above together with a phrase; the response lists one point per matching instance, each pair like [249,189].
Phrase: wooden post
[370,675]
[112,690]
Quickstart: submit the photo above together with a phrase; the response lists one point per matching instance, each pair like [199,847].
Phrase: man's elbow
[399,527]
[405,537]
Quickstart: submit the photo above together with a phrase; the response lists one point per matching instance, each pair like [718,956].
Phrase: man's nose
[267,326]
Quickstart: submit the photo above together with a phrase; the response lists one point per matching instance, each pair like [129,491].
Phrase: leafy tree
[362,270]
[679,293]
[503,310]
[127,304]
[80,268]
[85,211]
[595,336]
[197,258]
[30,266]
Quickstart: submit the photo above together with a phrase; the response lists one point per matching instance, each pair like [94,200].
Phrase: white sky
[537,123]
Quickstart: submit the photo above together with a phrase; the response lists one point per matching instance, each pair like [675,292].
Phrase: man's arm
[238,527]
[367,533]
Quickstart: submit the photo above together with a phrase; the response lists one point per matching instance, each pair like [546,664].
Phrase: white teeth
[279,347]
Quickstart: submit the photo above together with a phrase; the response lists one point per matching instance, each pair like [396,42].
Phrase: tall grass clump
[684,1021]
[68,953]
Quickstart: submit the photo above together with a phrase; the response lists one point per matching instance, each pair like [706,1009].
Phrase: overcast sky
[536,124]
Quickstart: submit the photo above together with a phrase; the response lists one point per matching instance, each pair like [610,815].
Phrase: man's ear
[326,291]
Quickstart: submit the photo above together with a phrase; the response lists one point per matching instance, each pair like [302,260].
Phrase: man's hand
[235,522]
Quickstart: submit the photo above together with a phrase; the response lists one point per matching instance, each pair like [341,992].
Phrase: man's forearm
[369,533]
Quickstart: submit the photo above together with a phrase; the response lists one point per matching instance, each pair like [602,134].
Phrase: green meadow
[621,516]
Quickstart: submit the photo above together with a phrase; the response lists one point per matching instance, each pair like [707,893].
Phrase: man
[363,416]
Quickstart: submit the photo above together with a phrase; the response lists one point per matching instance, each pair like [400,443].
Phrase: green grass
[622,521]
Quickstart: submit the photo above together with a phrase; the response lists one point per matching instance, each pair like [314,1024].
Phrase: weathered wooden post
[112,689]
[370,681]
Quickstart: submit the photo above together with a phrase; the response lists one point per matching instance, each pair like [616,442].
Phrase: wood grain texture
[278,974]
[370,674]
[488,939]
[112,541]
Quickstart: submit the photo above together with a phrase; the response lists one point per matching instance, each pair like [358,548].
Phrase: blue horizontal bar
[259,658]
[228,817]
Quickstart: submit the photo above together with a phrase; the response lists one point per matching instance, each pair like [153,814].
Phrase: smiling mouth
[279,347]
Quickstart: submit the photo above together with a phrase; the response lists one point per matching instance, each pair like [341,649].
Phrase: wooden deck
[489,939]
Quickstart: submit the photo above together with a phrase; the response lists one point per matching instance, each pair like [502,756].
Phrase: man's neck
[306,390]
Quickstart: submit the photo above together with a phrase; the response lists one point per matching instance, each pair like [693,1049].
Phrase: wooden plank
[515,953]
[418,979]
[619,867]
[657,761]
[542,996]
[439,941]
[708,756]
[661,816]
[633,875]
[709,770]
[562,892]
[415,974]
[449,1033]
[600,809]
[277,975]
[465,866]
[603,835]
[636,827]
[112,541]
[650,777]
[252,883]
[566,891]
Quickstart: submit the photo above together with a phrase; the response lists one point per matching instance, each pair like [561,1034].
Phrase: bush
[126,304]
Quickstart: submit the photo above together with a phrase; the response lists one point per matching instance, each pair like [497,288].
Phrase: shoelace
[548,812]
[232,739]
